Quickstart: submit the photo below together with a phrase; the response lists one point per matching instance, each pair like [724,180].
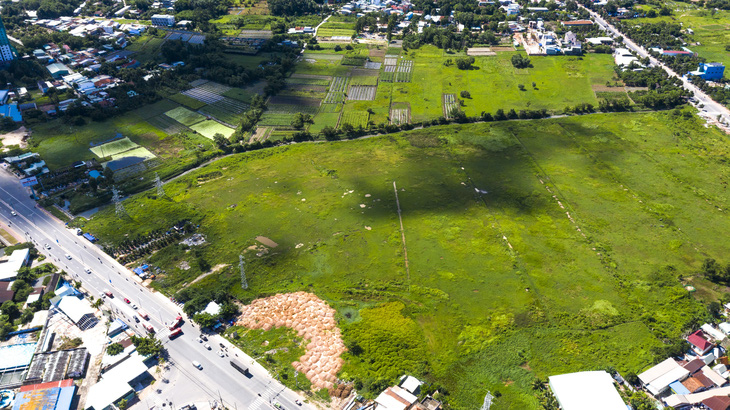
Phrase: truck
[143,314]
[238,365]
[175,333]
[148,327]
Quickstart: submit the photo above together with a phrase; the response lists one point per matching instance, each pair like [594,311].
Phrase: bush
[520,61]
[465,94]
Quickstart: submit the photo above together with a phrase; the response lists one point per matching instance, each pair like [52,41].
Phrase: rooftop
[586,390]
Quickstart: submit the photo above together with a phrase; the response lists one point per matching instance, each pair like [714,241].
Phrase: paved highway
[710,109]
[218,379]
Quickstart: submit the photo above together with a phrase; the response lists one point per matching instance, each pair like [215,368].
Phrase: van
[197,365]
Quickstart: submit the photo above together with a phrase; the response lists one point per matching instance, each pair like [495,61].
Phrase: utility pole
[487,401]
[118,207]
[241,264]
[158,185]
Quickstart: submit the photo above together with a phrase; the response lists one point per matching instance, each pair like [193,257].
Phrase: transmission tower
[241,264]
[487,401]
[158,185]
[118,207]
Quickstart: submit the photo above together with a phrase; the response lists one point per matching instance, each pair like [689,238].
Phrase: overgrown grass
[502,285]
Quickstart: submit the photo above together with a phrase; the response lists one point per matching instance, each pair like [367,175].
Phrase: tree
[465,63]
[205,319]
[330,134]
[220,140]
[465,94]
[114,349]
[521,87]
[338,48]
[10,309]
[520,61]
[147,346]
[300,120]
[651,13]
[122,404]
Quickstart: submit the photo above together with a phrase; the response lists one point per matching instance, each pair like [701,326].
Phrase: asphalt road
[710,108]
[218,379]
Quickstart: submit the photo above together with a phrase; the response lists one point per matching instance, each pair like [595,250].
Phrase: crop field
[283,104]
[227,110]
[185,116]
[404,71]
[324,119]
[615,200]
[209,128]
[355,118]
[364,77]
[361,92]
[353,61]
[450,104]
[323,56]
[400,113]
[166,124]
[113,148]
[203,95]
[155,109]
[189,102]
[336,92]
[277,119]
[239,94]
[334,32]
[137,151]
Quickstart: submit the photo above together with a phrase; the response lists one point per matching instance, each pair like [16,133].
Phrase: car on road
[87,270]
[278,405]
[298,402]
[127,301]
[13,213]
[207,346]
[108,293]
[199,340]
[198,365]
[148,327]
[220,352]
[68,256]
[175,333]
[143,314]
[204,337]
[47,246]
[134,306]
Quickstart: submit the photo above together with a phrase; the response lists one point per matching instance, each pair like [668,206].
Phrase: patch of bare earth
[314,320]
[215,269]
[16,137]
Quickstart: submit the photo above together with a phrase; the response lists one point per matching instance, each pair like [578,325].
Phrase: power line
[158,184]
[487,401]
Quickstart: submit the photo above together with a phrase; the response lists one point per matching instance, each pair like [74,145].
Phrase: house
[658,378]
[699,343]
[58,70]
[688,400]
[79,311]
[163,20]
[597,41]
[411,384]
[709,71]
[395,398]
[697,383]
[11,264]
[717,403]
[53,395]
[12,111]
[715,334]
[571,45]
[623,57]
[724,327]
[116,384]
[586,390]
[675,53]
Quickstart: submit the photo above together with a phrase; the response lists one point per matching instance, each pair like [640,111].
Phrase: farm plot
[227,110]
[391,59]
[404,71]
[278,120]
[166,124]
[325,107]
[355,118]
[185,116]
[337,90]
[189,102]
[400,113]
[113,148]
[450,104]
[292,105]
[214,87]
[372,65]
[209,128]
[362,92]
[364,77]
[202,95]
[388,74]
[353,60]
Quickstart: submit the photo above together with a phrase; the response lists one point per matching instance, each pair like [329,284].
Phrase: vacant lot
[534,247]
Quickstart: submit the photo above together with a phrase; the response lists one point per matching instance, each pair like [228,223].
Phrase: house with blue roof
[12,111]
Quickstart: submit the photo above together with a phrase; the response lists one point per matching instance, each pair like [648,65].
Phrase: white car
[47,246]
[207,346]
[87,270]
[221,354]
[134,306]
[198,365]
[13,213]
[68,256]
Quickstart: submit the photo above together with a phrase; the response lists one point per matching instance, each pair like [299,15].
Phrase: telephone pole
[241,264]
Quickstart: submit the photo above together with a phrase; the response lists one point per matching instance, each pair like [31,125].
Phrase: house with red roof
[699,343]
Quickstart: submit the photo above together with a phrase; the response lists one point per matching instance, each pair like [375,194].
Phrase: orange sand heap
[314,320]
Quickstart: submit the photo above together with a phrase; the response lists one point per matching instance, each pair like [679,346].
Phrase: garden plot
[364,77]
[388,74]
[293,105]
[404,71]
[277,120]
[337,90]
[355,118]
[391,59]
[214,87]
[166,124]
[187,101]
[226,110]
[185,116]
[198,82]
[202,95]
[209,128]
[450,104]
[372,65]
[113,148]
[400,113]
[362,92]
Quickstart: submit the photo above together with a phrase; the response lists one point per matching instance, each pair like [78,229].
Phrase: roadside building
[586,390]
[163,20]
[79,311]
[53,395]
[699,343]
[658,378]
[709,71]
[11,264]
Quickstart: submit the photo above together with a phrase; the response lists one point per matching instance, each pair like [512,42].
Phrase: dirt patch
[480,51]
[376,53]
[604,88]
[312,76]
[16,137]
[215,269]
[314,320]
[497,49]
[266,241]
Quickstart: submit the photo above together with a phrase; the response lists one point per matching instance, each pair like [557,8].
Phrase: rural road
[217,381]
[710,109]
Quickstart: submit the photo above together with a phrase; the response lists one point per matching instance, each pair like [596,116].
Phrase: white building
[658,378]
[163,20]
[79,311]
[586,390]
[10,265]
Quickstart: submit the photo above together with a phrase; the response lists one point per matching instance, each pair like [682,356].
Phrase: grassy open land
[711,29]
[534,247]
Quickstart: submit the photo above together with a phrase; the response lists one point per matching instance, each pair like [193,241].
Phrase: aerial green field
[209,128]
[533,247]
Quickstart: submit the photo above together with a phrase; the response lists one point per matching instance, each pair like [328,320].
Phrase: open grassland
[534,247]
[711,30]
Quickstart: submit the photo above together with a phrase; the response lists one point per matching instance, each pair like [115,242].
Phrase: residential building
[709,71]
[7,51]
[163,20]
[699,343]
[658,378]
[586,390]
[11,264]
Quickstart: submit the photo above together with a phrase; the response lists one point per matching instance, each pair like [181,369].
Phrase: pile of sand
[314,320]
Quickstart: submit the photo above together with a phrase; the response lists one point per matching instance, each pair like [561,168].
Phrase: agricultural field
[615,200]
[209,128]
[185,116]
[355,118]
